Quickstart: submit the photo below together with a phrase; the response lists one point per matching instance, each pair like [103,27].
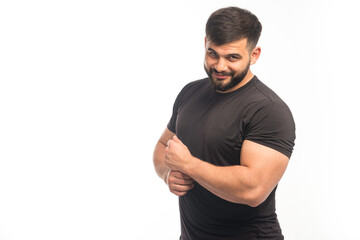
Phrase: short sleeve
[273,126]
[178,101]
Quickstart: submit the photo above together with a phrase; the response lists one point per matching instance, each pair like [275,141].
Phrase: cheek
[209,62]
[237,68]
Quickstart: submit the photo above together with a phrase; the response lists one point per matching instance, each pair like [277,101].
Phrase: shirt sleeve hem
[273,146]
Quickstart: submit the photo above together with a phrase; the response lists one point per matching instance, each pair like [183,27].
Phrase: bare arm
[159,154]
[249,183]
[178,182]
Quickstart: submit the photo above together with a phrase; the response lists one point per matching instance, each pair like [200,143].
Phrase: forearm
[249,183]
[158,158]
[232,183]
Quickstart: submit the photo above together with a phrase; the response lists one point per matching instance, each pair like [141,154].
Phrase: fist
[177,155]
[179,183]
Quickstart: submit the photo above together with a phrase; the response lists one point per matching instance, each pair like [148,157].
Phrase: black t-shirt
[213,126]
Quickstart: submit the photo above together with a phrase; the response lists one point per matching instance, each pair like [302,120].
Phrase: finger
[170,142]
[176,139]
[175,177]
[180,181]
[181,188]
[186,182]
[179,194]
[184,176]
[181,175]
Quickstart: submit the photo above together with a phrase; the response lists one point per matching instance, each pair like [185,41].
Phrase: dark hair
[231,24]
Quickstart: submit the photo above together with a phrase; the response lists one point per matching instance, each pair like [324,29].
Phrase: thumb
[176,139]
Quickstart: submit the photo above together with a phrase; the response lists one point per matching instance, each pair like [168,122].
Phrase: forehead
[238,46]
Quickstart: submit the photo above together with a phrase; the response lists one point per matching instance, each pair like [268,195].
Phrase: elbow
[255,202]
[254,197]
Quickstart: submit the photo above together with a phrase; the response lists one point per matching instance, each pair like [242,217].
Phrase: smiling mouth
[220,76]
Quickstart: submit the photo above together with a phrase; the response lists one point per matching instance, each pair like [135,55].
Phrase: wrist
[191,165]
[166,176]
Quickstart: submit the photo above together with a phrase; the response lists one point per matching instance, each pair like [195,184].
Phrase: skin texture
[229,61]
[249,183]
[178,182]
[261,167]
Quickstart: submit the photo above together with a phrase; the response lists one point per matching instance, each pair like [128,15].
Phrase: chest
[212,128]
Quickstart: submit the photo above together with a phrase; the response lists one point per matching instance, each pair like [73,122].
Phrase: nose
[221,65]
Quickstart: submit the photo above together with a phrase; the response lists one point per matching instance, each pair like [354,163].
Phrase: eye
[212,54]
[234,58]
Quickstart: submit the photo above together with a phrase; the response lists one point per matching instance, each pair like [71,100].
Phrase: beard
[235,78]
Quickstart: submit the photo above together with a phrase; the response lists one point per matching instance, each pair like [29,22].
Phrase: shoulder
[262,93]
[265,98]
[267,108]
[270,121]
[194,86]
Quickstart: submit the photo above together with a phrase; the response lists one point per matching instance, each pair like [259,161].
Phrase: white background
[87,87]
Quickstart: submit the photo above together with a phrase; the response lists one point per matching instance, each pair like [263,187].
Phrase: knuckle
[169,178]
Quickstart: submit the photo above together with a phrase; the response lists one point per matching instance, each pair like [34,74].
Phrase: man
[228,141]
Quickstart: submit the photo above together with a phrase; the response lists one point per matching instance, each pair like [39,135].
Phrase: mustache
[224,73]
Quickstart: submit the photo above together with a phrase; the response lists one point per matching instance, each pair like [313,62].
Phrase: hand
[177,155]
[179,183]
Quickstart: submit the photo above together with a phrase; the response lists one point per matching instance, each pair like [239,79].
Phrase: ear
[255,54]
[205,41]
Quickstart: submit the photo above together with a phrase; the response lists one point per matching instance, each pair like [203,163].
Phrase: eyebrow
[228,55]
